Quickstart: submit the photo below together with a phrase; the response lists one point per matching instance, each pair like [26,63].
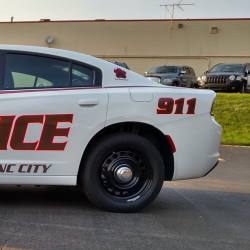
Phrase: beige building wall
[142,44]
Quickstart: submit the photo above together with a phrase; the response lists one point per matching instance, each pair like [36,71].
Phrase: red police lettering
[20,127]
[50,130]
[19,132]
[5,128]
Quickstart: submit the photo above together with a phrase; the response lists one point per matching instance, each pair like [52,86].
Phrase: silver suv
[173,75]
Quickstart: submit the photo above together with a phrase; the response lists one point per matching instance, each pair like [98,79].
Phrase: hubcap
[123,173]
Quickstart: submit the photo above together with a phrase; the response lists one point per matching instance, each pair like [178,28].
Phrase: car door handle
[88,102]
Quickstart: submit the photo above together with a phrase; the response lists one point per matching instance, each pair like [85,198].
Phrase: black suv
[225,76]
[173,75]
[121,64]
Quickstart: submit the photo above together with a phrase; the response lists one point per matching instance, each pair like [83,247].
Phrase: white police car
[71,119]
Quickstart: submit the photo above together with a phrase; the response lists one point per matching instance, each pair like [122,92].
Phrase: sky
[34,10]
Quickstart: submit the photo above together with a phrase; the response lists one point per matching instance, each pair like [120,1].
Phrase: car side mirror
[205,71]
[145,73]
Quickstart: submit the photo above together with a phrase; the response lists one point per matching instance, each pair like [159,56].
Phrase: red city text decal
[167,106]
[19,130]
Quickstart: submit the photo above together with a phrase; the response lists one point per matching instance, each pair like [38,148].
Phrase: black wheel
[122,173]
[242,87]
[175,84]
[196,86]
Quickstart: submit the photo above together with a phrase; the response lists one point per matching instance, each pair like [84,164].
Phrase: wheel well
[149,132]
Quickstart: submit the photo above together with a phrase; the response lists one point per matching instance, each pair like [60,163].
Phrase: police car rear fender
[156,105]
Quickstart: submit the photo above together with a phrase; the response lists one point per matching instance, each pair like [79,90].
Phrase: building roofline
[129,20]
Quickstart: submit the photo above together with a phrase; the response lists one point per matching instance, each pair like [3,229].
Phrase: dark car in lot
[121,64]
[173,75]
[226,77]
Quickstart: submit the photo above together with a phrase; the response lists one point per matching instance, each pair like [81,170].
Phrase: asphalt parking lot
[208,213]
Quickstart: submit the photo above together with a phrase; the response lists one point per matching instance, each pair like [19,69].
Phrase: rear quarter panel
[123,107]
[196,136]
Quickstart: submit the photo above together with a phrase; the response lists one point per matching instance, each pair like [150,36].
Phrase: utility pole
[173,8]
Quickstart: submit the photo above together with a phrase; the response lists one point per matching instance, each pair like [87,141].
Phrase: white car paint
[135,99]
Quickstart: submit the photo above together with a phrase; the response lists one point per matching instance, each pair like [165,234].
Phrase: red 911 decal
[19,131]
[167,106]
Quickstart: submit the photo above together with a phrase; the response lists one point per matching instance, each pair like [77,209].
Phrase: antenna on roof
[173,8]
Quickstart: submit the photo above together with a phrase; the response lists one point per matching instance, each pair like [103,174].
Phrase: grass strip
[232,112]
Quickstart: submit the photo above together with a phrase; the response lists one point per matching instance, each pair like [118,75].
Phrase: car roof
[122,64]
[109,77]
[232,63]
[172,66]
[55,52]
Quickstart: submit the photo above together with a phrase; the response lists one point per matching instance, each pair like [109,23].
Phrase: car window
[163,70]
[81,76]
[20,78]
[192,71]
[215,68]
[187,71]
[43,83]
[228,68]
[29,80]
[27,71]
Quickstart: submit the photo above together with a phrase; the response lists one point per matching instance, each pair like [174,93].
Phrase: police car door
[50,109]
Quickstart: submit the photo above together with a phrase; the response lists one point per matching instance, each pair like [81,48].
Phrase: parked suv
[121,64]
[173,75]
[225,76]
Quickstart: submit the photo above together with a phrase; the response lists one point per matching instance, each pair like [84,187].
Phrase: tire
[242,87]
[175,84]
[122,173]
[195,86]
